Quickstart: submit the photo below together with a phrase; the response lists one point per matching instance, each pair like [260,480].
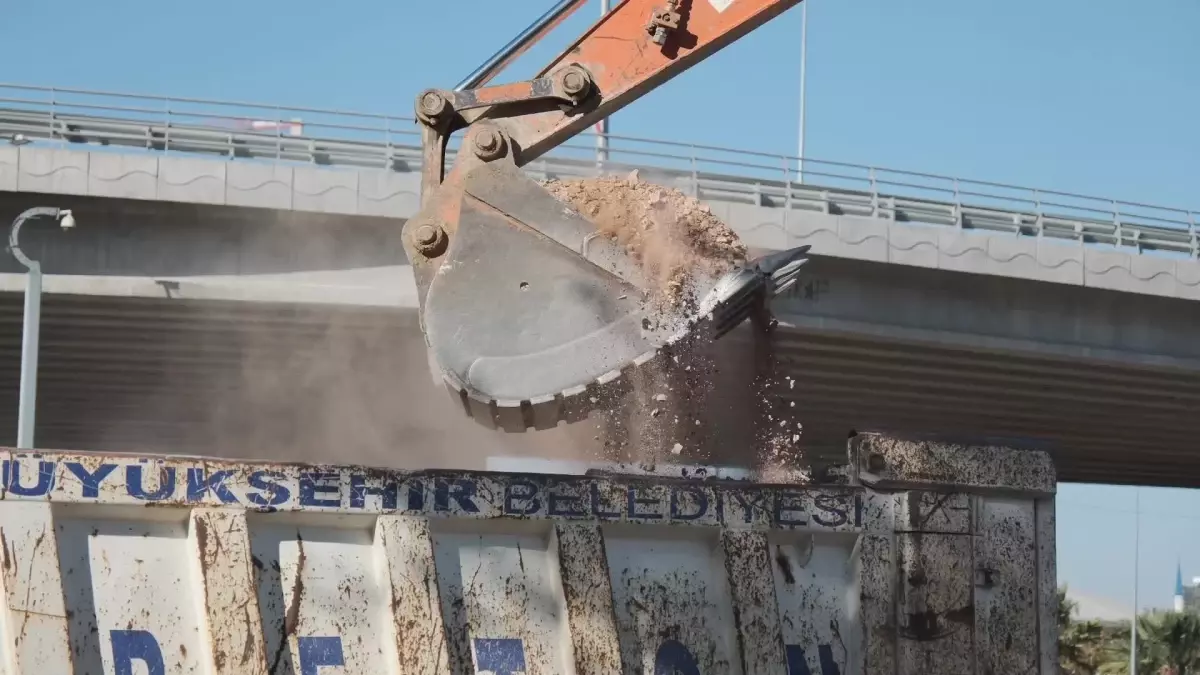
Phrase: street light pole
[602,126]
[1137,541]
[27,406]
[803,93]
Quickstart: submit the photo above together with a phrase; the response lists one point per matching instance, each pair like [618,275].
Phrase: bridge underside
[254,333]
[351,384]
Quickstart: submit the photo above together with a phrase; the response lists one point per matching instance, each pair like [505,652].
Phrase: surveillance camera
[68,220]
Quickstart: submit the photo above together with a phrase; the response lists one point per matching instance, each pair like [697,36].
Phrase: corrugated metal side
[123,565]
[243,379]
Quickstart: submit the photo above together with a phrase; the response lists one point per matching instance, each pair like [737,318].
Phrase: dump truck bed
[127,565]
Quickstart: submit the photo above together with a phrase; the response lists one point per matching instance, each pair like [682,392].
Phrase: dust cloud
[352,384]
[307,382]
[361,392]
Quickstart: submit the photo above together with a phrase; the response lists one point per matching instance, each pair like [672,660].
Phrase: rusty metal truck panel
[127,565]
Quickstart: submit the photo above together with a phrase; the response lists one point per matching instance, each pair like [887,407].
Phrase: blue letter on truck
[499,656]
[320,651]
[136,645]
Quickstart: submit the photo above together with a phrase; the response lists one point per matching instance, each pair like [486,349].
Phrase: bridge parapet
[256,132]
[103,144]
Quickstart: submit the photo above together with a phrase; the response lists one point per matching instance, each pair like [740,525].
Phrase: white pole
[803,77]
[27,404]
[1137,540]
[602,126]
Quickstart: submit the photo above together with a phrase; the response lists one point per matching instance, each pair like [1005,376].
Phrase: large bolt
[429,239]
[431,105]
[489,144]
[426,235]
[575,82]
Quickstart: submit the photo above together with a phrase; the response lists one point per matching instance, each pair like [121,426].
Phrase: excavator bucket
[533,316]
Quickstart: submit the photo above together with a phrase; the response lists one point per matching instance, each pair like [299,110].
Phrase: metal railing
[250,131]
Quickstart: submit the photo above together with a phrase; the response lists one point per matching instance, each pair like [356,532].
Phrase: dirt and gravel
[673,237]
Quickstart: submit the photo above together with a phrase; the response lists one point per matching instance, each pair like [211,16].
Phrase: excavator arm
[531,316]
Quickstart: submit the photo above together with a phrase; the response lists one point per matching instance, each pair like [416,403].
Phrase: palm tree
[1098,648]
[1089,648]
[1086,647]
[1168,644]
[1070,645]
[1114,652]
[1172,641]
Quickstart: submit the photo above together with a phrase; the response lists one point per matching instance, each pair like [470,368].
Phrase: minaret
[1178,588]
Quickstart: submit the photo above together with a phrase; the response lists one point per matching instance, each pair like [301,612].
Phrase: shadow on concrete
[128,237]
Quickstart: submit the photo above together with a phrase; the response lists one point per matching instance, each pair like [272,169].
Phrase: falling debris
[676,240]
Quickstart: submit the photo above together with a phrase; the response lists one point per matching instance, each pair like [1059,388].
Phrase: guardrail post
[958,214]
[278,134]
[166,125]
[53,111]
[874,192]
[1192,231]
[1117,224]
[390,154]
[695,172]
[787,183]
[1037,206]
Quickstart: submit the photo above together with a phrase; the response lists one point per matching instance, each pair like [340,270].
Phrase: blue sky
[1091,96]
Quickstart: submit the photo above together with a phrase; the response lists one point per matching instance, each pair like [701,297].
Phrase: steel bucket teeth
[546,412]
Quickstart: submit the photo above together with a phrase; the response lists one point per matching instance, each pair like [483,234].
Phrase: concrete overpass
[229,290]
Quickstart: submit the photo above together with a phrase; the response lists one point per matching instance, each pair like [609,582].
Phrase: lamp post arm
[15,232]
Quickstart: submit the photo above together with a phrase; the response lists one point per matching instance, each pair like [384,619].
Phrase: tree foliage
[1168,643]
[1172,641]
